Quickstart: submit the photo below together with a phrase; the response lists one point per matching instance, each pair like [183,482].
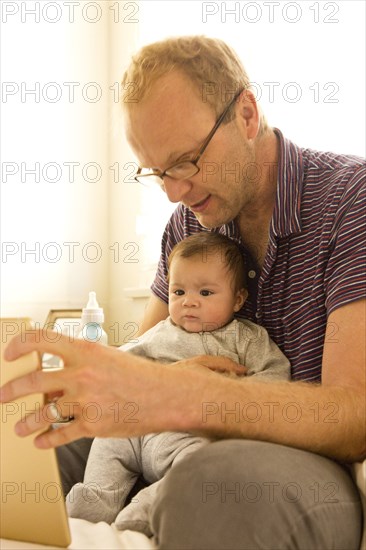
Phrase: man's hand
[109,393]
[216,363]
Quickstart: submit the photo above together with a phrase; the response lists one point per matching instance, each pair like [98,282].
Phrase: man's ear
[241,296]
[248,114]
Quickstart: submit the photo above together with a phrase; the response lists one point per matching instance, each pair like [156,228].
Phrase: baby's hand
[216,363]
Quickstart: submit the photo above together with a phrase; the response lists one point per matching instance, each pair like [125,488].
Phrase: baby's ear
[241,296]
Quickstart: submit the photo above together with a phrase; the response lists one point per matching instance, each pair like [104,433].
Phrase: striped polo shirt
[315,260]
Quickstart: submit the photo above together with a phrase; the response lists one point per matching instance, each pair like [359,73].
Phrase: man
[277,479]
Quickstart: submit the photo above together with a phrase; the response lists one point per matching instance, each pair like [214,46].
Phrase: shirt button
[257,315]
[251,274]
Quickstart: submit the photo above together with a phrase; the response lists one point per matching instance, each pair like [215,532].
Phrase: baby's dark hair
[207,243]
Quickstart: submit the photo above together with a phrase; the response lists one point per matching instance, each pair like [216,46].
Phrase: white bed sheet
[90,536]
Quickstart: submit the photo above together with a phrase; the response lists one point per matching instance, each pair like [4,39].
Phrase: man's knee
[250,494]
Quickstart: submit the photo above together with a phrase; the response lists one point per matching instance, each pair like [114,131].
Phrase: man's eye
[180,169]
[206,292]
[178,292]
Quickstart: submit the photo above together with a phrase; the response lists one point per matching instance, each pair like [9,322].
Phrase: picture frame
[64,321]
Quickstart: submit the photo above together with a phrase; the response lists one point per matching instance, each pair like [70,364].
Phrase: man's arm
[136,396]
[329,419]
[156,311]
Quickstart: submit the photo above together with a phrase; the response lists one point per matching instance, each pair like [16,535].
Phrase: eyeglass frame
[200,152]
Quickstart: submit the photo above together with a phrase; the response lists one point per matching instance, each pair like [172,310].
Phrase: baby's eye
[206,292]
[178,292]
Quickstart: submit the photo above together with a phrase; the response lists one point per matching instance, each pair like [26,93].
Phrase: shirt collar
[286,219]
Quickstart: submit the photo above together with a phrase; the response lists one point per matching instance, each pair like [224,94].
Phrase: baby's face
[200,293]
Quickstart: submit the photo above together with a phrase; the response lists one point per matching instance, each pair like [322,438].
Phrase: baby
[206,276]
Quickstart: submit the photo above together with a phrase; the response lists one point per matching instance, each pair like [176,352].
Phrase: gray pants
[238,494]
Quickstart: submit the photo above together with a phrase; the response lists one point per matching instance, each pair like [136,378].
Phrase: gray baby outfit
[115,464]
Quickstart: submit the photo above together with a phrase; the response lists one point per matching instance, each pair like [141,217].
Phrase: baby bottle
[91,322]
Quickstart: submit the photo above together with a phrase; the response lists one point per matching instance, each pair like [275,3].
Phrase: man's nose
[176,189]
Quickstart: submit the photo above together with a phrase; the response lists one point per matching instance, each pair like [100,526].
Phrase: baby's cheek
[173,311]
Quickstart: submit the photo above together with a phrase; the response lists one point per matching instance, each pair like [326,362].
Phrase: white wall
[124,194]
[53,127]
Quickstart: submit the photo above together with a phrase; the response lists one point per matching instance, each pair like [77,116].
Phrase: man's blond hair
[211,65]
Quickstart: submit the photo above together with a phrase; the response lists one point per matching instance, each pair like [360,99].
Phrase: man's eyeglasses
[184,169]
